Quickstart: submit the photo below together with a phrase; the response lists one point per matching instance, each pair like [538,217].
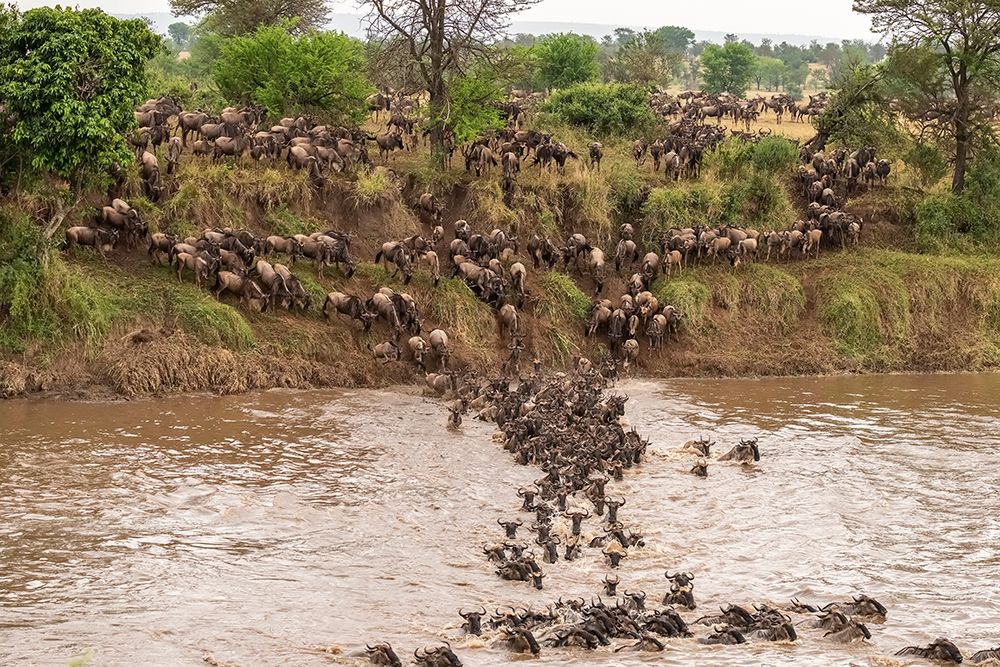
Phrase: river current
[293,527]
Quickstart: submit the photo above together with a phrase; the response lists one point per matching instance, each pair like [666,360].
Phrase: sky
[834,18]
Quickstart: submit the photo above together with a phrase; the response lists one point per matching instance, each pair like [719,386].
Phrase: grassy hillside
[77,321]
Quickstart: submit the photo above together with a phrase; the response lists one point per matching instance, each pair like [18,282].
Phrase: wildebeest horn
[668,575]
[689,575]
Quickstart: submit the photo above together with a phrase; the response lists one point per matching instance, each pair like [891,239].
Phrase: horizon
[783,17]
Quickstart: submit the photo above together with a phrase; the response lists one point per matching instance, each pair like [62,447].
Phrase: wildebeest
[394,252]
[745,452]
[338,303]
[101,240]
[940,650]
[250,294]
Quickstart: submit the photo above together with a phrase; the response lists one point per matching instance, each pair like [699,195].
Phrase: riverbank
[123,326]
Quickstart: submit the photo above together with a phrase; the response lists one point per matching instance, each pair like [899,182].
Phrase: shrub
[286,73]
[668,207]
[374,188]
[758,201]
[775,155]
[603,108]
[929,163]
[566,59]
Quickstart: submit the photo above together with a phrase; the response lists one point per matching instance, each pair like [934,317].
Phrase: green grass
[375,188]
[562,301]
[564,308]
[66,301]
[877,305]
[690,203]
[211,321]
[457,310]
[489,207]
[689,295]
[773,292]
[283,222]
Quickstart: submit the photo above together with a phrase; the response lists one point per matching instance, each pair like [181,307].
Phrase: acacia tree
[237,17]
[962,39]
[440,39]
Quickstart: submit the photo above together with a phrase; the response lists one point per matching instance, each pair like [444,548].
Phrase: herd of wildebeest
[570,427]
[565,424]
[243,264]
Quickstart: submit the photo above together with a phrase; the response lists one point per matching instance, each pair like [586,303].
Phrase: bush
[775,155]
[731,159]
[374,188]
[970,218]
[603,108]
[566,59]
[678,207]
[928,162]
[759,201]
[285,73]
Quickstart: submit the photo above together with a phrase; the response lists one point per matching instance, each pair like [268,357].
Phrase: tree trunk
[57,215]
[961,158]
[961,82]
[961,148]
[439,112]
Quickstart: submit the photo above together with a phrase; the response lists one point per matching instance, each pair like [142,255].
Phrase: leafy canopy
[614,108]
[286,73]
[474,101]
[565,59]
[727,68]
[238,17]
[70,80]
[180,32]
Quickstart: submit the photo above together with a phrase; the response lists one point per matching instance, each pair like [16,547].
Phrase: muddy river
[291,528]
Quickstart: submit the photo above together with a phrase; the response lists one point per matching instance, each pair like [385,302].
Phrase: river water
[291,528]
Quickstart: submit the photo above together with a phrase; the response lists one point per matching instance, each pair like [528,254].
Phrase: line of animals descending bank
[572,429]
[493,265]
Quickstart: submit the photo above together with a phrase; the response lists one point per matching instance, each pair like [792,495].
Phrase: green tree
[859,113]
[180,32]
[238,17]
[474,103]
[285,73]
[565,59]
[643,58]
[604,109]
[727,68]
[963,36]
[769,72]
[70,81]
[675,38]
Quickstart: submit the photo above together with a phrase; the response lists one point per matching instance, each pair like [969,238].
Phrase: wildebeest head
[382,654]
[528,494]
[473,621]
[865,605]
[510,527]
[611,582]
[681,579]
[577,517]
[752,444]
